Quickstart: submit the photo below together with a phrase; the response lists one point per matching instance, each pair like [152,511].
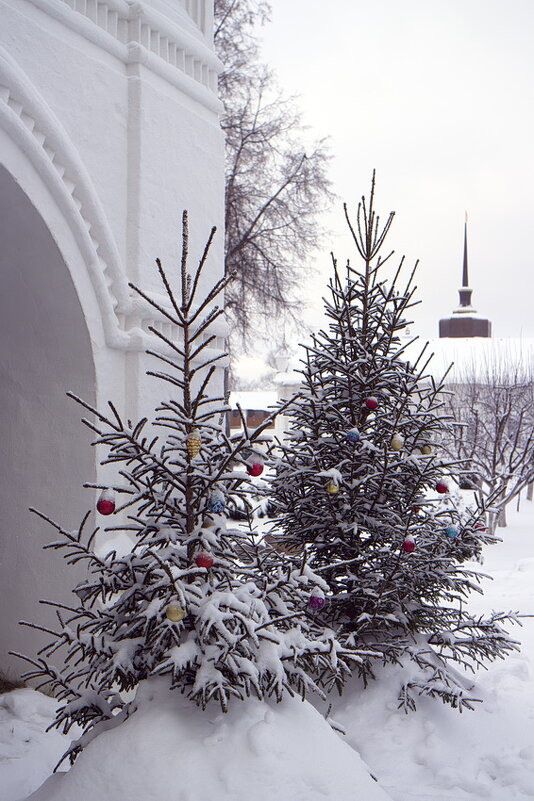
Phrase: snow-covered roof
[288,379]
[476,355]
[254,399]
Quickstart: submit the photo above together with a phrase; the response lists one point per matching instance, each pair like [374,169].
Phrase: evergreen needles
[358,486]
[195,600]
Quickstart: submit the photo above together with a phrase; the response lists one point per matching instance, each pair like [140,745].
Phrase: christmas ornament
[175,612]
[442,486]
[255,469]
[216,503]
[426,450]
[371,402]
[451,531]
[397,442]
[204,559]
[192,443]
[316,601]
[332,487]
[409,544]
[353,435]
[106,503]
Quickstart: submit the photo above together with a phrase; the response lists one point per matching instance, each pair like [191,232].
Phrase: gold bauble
[397,442]
[332,488]
[426,450]
[192,443]
[175,612]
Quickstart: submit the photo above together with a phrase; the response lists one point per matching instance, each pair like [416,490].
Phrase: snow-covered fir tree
[358,486]
[195,600]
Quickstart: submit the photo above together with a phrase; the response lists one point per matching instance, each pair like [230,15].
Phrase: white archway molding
[37,132]
[30,124]
[15,162]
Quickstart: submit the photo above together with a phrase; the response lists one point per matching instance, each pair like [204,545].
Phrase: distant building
[255,407]
[465,349]
[465,321]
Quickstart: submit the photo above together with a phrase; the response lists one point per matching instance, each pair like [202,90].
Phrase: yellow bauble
[192,444]
[426,450]
[174,612]
[397,442]
[332,488]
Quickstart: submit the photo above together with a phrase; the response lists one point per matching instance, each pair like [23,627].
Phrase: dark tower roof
[465,292]
[464,321]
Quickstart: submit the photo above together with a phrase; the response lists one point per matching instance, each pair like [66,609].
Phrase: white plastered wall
[108,130]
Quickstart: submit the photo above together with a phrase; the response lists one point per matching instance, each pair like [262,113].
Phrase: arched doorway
[45,350]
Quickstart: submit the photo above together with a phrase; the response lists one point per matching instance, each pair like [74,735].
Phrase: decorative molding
[201,11]
[39,134]
[134,32]
[35,129]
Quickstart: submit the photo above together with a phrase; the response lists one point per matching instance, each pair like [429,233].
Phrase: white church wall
[108,130]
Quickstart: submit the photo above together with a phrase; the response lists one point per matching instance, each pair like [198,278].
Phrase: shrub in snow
[195,600]
[358,485]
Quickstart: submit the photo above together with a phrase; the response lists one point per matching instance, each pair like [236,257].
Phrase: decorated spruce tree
[360,486]
[195,600]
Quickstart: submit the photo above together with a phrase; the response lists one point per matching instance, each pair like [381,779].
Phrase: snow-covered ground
[288,753]
[438,754]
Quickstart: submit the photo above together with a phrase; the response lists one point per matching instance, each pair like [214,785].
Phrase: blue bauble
[451,531]
[353,435]
[216,504]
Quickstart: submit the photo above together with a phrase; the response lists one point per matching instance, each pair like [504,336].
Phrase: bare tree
[276,187]
[493,403]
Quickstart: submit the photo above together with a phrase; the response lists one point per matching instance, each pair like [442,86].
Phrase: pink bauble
[316,602]
[204,560]
[371,402]
[255,469]
[442,487]
[106,503]
[408,545]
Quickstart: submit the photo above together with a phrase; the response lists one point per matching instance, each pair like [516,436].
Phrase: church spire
[465,292]
[465,321]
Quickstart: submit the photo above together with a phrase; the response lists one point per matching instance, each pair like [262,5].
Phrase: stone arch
[50,159]
[45,349]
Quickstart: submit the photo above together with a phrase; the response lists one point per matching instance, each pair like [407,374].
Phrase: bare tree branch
[493,406]
[276,187]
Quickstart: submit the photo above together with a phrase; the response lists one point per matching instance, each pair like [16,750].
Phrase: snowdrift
[171,751]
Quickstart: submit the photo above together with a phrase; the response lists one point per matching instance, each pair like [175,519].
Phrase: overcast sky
[438,96]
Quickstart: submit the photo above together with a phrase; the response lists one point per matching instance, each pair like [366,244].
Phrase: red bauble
[204,560]
[371,402]
[255,469]
[408,545]
[442,487]
[106,503]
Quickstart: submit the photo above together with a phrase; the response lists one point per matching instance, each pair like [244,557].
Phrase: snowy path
[435,754]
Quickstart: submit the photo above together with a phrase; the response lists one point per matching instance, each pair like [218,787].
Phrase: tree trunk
[501,518]
[530,491]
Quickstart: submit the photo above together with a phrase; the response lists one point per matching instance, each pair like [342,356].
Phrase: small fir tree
[358,482]
[195,600]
